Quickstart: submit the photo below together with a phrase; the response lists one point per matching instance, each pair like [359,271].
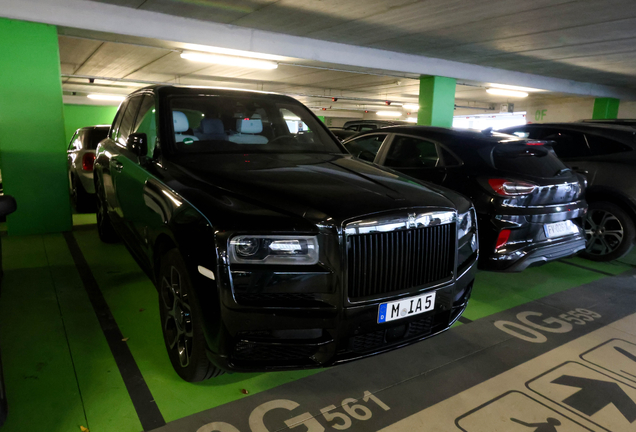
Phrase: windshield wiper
[562,171]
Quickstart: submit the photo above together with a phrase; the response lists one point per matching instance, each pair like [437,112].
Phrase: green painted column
[32,141]
[605,108]
[322,118]
[437,101]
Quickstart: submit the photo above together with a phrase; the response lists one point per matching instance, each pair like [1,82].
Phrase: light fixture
[290,118]
[411,120]
[103,97]
[411,107]
[513,87]
[511,93]
[389,113]
[232,52]
[229,61]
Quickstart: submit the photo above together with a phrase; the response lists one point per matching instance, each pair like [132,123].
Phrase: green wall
[32,140]
[437,101]
[77,116]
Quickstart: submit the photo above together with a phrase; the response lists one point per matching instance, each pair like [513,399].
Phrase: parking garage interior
[551,348]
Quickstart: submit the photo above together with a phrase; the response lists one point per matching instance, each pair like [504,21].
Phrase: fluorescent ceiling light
[512,87]
[411,120]
[229,61]
[511,93]
[233,52]
[292,118]
[389,113]
[104,97]
[411,107]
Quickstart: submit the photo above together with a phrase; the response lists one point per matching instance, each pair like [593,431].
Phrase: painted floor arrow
[596,395]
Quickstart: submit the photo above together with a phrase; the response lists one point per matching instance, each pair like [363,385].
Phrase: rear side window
[366,147]
[409,152]
[600,145]
[567,144]
[533,161]
[91,137]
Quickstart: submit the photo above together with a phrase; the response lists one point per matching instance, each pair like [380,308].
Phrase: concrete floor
[61,373]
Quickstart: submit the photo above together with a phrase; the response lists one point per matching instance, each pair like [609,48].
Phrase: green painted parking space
[59,372]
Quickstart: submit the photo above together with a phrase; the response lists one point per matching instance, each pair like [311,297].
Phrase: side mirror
[138,144]
[7,205]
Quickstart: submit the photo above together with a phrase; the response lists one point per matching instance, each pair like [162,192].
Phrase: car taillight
[535,143]
[88,161]
[505,187]
[502,239]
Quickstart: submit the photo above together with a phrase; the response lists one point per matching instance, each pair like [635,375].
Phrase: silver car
[80,160]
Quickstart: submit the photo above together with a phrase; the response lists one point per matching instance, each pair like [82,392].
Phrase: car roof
[194,90]
[586,126]
[424,131]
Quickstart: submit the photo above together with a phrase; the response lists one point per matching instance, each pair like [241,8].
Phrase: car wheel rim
[603,232]
[178,318]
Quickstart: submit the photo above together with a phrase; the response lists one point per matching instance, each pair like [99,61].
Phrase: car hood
[313,186]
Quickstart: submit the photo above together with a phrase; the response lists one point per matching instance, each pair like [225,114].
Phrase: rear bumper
[536,254]
[267,340]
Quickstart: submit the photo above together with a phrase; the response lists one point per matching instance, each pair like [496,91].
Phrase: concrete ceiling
[127,66]
[585,40]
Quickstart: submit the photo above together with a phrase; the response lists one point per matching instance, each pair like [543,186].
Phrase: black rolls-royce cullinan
[270,246]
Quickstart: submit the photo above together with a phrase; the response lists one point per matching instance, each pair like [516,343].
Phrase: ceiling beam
[102,17]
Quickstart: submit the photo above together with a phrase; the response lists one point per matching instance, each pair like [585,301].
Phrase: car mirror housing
[137,143]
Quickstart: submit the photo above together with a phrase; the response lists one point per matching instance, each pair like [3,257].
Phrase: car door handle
[116,165]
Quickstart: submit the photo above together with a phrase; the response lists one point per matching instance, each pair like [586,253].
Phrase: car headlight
[273,249]
[465,223]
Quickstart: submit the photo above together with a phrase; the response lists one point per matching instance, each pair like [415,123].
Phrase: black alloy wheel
[181,321]
[105,228]
[609,232]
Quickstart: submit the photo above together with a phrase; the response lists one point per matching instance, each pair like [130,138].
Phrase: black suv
[274,249]
[529,205]
[605,153]
[368,125]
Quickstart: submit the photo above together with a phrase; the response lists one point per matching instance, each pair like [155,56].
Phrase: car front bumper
[267,339]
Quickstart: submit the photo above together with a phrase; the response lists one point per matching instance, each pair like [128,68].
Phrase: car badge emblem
[411,221]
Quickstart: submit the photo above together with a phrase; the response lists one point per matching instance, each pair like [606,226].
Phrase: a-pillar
[437,101]
[605,108]
[32,140]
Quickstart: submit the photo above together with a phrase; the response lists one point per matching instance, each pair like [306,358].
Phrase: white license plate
[559,229]
[407,307]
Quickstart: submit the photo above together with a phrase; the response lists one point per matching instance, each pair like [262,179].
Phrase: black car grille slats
[385,262]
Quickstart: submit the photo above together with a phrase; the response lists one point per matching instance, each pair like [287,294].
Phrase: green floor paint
[496,292]
[62,374]
[84,219]
[133,301]
[41,387]
[106,402]
[613,267]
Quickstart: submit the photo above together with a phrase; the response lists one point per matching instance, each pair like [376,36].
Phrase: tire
[84,202]
[181,321]
[609,232]
[105,228]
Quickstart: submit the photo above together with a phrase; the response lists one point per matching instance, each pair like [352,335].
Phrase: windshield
[244,124]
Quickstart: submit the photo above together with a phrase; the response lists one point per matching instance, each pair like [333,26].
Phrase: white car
[80,160]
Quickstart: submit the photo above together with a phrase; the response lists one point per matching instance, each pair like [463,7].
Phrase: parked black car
[368,125]
[342,134]
[271,249]
[529,205]
[80,157]
[606,154]
[7,206]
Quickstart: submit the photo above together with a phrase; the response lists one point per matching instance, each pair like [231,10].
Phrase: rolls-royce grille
[385,262]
